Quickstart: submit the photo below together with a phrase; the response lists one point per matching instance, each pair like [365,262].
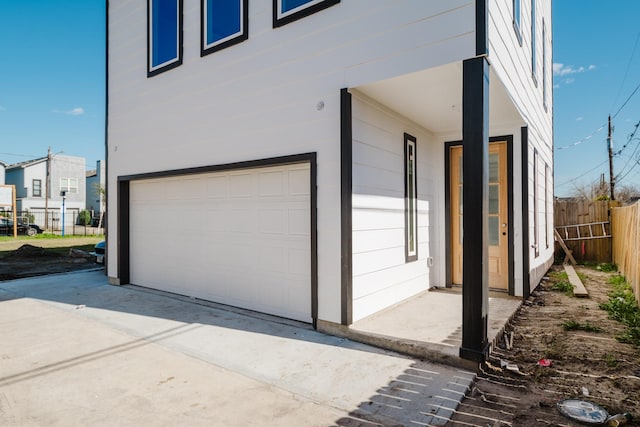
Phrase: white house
[66,173]
[3,167]
[304,158]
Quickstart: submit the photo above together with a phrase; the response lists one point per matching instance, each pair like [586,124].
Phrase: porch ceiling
[433,98]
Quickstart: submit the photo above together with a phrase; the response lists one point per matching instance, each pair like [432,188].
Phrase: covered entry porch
[454,102]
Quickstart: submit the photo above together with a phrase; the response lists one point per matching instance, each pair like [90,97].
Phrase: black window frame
[280,20]
[239,37]
[536,203]
[38,186]
[534,58]
[517,19]
[545,85]
[410,199]
[155,70]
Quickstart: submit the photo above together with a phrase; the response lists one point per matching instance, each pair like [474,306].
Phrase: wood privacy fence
[625,222]
[584,224]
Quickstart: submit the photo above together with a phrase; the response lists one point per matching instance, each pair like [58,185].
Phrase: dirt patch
[31,260]
[578,338]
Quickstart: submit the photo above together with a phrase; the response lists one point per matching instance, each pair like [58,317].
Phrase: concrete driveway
[77,351]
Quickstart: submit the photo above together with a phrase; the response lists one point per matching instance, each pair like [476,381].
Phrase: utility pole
[610,148]
[47,184]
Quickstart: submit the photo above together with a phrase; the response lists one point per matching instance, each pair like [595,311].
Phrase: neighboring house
[66,173]
[95,186]
[3,167]
[305,160]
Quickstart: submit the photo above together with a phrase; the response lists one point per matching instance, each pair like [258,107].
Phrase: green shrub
[563,286]
[572,325]
[623,307]
[84,217]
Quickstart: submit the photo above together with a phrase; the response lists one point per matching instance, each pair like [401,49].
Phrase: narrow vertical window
[37,188]
[164,35]
[410,199]
[224,23]
[285,11]
[544,65]
[516,20]
[536,213]
[547,201]
[534,61]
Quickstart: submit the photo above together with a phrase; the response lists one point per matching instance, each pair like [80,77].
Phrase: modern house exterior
[66,173]
[95,189]
[306,158]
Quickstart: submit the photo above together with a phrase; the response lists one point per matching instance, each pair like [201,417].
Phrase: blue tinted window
[224,23]
[288,5]
[286,11]
[164,34]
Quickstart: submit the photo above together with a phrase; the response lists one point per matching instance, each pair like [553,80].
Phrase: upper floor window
[534,64]
[36,188]
[224,23]
[285,11]
[164,35]
[516,20]
[70,185]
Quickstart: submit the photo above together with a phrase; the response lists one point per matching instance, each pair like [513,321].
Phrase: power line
[585,139]
[624,79]
[629,139]
[580,176]
[628,99]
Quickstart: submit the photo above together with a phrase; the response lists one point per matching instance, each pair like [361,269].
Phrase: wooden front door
[498,229]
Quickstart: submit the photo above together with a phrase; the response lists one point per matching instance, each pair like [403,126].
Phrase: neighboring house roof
[5,164]
[91,173]
[27,163]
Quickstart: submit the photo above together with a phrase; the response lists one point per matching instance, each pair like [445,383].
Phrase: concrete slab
[428,326]
[78,351]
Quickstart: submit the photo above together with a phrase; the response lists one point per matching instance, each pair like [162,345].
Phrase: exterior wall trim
[346,206]
[475,137]
[526,274]
[482,23]
[124,210]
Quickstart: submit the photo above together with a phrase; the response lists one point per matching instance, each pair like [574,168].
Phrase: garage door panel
[272,183]
[239,237]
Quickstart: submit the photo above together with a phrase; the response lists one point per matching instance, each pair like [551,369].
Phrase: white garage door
[237,237]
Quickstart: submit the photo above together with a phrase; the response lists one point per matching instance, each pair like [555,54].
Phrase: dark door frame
[447,204]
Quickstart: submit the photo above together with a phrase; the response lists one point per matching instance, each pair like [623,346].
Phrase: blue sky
[594,74]
[52,84]
[52,73]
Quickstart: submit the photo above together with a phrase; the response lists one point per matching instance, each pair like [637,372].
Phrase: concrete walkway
[77,351]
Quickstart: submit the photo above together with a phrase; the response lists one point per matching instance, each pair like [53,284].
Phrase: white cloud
[579,119]
[569,80]
[78,111]
[564,70]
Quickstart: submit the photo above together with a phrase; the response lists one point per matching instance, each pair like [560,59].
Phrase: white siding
[259,99]
[511,63]
[381,277]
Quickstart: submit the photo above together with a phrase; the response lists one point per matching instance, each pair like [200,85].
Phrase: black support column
[475,173]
